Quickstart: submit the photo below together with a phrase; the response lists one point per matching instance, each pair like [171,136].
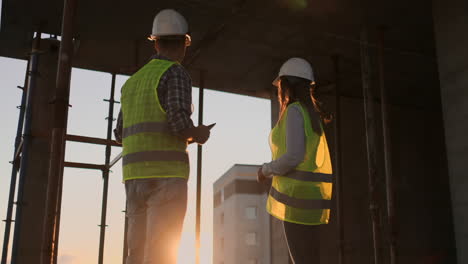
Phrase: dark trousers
[303,242]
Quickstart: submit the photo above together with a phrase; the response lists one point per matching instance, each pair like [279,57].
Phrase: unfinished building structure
[393,72]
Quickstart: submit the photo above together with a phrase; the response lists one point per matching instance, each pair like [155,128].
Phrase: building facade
[241,225]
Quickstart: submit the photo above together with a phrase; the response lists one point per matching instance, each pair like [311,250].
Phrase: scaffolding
[19,165]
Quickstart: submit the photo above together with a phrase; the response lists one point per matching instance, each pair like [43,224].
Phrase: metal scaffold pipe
[390,188]
[59,128]
[370,123]
[27,137]
[105,172]
[199,169]
[338,169]
[15,168]
[125,246]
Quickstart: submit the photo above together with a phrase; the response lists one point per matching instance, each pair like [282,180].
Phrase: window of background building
[251,212]
[251,239]
[222,218]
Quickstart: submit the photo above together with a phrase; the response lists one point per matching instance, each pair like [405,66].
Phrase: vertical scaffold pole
[390,187]
[14,169]
[125,246]
[59,129]
[105,173]
[199,169]
[27,137]
[370,121]
[32,80]
[338,169]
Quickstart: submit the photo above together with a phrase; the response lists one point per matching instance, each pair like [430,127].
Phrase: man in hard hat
[154,126]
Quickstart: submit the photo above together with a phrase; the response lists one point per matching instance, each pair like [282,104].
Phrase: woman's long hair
[293,89]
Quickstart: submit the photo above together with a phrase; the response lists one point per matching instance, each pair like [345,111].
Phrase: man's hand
[198,134]
[202,133]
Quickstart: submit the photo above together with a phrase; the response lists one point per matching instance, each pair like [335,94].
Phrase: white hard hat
[297,67]
[169,22]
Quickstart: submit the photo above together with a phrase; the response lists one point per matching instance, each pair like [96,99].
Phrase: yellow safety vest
[150,150]
[303,195]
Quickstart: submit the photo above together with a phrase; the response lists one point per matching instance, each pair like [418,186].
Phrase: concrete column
[35,187]
[451,33]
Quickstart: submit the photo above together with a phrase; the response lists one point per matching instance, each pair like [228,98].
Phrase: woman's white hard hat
[297,67]
[169,22]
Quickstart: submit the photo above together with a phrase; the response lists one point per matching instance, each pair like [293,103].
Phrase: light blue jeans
[155,210]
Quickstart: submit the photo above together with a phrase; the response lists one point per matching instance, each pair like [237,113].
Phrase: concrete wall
[422,192]
[451,27]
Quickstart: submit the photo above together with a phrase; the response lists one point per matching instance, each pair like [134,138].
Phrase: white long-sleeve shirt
[295,145]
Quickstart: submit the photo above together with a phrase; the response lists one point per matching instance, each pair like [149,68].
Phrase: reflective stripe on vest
[155,155]
[150,150]
[299,203]
[302,196]
[147,127]
[309,176]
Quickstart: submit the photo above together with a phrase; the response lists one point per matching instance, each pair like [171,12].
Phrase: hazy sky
[240,136]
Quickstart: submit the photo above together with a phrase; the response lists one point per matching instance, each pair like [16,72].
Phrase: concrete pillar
[451,27]
[35,187]
[279,248]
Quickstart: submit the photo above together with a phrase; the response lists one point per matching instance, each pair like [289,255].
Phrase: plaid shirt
[175,96]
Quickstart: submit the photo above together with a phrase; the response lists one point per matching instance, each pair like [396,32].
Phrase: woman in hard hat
[301,169]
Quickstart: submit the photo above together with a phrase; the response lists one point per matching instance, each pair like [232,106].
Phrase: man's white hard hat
[169,22]
[297,67]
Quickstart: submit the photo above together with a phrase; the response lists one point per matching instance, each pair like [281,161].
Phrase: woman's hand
[260,177]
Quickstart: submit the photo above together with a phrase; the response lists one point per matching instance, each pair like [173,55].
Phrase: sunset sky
[240,136]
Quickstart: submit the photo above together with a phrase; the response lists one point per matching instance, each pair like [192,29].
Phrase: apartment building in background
[241,224]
